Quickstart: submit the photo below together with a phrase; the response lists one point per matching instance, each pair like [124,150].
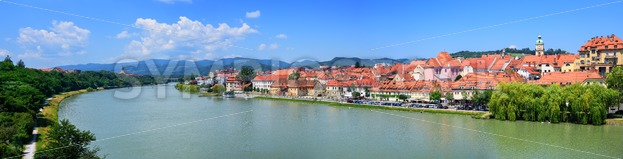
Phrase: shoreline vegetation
[49,115]
[23,92]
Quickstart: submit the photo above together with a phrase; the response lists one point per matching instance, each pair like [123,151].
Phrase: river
[178,125]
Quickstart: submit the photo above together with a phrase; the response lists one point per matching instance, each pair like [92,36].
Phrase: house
[442,68]
[278,88]
[302,87]
[232,83]
[262,82]
[601,54]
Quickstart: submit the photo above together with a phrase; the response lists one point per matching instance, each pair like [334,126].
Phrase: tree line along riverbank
[577,103]
[23,92]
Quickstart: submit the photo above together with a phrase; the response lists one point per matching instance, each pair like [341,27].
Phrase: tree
[435,96]
[355,94]
[67,141]
[7,59]
[615,81]
[367,91]
[450,96]
[294,75]
[218,89]
[584,104]
[21,64]
[403,97]
[357,64]
[458,78]
[246,74]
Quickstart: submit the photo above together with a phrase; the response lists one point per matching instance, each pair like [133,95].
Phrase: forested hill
[509,51]
[24,90]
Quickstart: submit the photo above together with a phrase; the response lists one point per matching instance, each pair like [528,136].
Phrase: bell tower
[540,50]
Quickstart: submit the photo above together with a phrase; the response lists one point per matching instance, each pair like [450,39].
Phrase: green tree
[21,64]
[17,96]
[218,89]
[246,74]
[357,64]
[367,91]
[7,59]
[435,96]
[403,97]
[450,96]
[294,75]
[67,141]
[615,81]
[355,94]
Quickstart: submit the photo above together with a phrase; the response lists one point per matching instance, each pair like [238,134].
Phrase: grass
[440,111]
[50,116]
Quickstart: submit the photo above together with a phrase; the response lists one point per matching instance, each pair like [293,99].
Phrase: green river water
[178,125]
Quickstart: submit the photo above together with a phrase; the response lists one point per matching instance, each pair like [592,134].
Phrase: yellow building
[601,54]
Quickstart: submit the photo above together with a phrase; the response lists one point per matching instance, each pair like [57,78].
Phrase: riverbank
[617,122]
[49,115]
[474,114]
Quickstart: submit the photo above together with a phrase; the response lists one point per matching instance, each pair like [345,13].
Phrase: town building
[601,54]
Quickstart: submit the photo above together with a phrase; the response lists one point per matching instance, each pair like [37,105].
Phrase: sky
[48,33]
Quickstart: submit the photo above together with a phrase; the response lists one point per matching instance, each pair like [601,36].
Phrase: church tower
[540,50]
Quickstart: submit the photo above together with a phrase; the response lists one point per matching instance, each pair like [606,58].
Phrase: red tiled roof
[262,78]
[600,43]
[444,57]
[563,78]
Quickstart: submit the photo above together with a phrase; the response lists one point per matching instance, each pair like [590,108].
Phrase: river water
[178,125]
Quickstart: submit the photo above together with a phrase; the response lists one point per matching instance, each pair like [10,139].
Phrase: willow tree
[615,81]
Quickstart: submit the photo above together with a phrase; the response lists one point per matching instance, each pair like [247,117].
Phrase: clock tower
[540,50]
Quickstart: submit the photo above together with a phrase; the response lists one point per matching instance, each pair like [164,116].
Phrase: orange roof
[611,42]
[262,78]
[563,78]
[283,72]
[567,58]
[499,63]
[548,59]
[444,57]
[433,62]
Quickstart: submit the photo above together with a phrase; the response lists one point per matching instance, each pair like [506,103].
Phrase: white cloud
[123,35]
[281,36]
[175,1]
[512,46]
[273,46]
[261,47]
[267,47]
[64,39]
[185,36]
[4,52]
[254,14]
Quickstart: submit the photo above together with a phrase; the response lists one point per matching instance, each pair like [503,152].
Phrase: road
[29,151]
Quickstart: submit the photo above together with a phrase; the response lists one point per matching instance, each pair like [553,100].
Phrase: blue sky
[288,30]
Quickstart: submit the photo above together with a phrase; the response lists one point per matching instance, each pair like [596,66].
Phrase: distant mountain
[175,67]
[350,61]
[509,51]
